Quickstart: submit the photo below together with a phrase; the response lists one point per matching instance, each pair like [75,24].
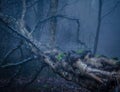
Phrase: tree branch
[111,10]
[9,65]
[32,4]
[61,16]
[10,52]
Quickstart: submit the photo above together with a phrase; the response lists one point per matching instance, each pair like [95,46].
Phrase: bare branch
[9,65]
[32,4]
[111,9]
[67,4]
[10,52]
[61,16]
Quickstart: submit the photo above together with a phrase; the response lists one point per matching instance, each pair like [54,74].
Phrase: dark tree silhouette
[100,18]
[98,27]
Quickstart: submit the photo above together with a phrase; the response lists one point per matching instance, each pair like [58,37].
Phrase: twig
[9,65]
[68,4]
[10,52]
[111,10]
[32,4]
[61,16]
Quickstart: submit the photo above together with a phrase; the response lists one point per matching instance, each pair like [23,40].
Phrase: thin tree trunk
[0,5]
[53,21]
[98,28]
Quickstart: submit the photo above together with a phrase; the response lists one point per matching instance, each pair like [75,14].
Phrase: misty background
[86,11]
[64,24]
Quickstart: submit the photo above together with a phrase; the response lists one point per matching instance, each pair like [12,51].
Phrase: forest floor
[43,85]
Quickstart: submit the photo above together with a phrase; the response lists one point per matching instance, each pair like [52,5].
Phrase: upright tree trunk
[40,9]
[98,28]
[53,21]
[0,5]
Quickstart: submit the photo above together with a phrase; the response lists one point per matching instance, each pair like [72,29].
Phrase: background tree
[53,21]
[98,27]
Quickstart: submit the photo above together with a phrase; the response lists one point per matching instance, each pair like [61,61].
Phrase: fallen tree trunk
[90,72]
